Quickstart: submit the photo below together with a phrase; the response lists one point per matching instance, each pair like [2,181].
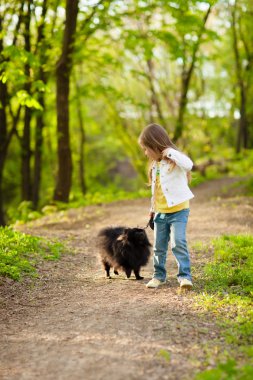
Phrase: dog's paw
[116,272]
[139,278]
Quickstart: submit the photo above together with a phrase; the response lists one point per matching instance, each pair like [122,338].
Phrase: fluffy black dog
[124,248]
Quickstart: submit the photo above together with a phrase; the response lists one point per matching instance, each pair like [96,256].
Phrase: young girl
[169,172]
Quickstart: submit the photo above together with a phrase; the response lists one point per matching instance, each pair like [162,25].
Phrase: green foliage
[241,163]
[24,212]
[110,195]
[226,162]
[145,49]
[227,291]
[227,371]
[27,100]
[14,59]
[228,285]
[249,187]
[20,253]
[164,354]
[233,265]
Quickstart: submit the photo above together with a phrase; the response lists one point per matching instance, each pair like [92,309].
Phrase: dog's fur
[124,248]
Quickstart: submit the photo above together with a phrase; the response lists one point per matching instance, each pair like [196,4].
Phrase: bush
[227,371]
[20,253]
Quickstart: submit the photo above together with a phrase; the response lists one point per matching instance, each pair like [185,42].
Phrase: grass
[21,253]
[227,371]
[245,185]
[227,291]
[232,268]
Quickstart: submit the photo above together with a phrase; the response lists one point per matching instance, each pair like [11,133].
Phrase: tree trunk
[154,98]
[3,137]
[40,116]
[185,82]
[63,70]
[242,135]
[248,142]
[26,186]
[81,147]
[82,153]
[82,136]
[26,157]
[182,105]
[5,140]
[38,153]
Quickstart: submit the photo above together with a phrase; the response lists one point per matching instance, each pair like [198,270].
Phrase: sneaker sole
[155,287]
[186,287]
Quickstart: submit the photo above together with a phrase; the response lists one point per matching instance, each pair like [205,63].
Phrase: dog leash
[150,223]
[151,220]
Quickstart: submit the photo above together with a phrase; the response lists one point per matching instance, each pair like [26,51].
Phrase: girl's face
[150,153]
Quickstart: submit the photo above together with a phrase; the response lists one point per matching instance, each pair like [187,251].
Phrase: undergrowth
[227,371]
[20,253]
[227,291]
[24,212]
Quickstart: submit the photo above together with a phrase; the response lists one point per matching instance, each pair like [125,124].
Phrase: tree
[186,73]
[63,70]
[26,137]
[41,45]
[4,136]
[242,46]
[6,133]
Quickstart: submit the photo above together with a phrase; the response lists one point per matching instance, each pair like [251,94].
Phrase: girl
[169,172]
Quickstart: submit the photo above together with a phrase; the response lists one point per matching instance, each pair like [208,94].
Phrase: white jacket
[174,182]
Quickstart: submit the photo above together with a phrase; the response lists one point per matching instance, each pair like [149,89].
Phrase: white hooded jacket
[174,182]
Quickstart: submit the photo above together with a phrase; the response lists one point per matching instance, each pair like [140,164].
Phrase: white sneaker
[154,283]
[186,284]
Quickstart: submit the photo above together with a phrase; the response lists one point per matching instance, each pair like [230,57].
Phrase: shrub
[20,253]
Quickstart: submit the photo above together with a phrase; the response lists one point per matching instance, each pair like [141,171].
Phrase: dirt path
[74,324]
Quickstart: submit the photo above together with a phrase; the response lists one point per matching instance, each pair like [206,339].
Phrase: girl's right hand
[151,220]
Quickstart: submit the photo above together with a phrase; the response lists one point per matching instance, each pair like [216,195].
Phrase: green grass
[162,353]
[21,253]
[226,290]
[227,371]
[232,268]
[246,186]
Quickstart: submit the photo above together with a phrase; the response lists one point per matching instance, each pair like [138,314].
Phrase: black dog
[124,248]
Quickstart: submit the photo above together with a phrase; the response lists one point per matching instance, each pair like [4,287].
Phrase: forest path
[72,323]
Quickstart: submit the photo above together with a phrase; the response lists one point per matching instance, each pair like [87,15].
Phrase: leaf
[164,354]
[3,77]
[27,100]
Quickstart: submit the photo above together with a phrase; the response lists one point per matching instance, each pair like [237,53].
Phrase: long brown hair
[156,138]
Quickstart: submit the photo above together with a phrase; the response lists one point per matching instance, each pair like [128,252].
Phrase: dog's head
[135,236]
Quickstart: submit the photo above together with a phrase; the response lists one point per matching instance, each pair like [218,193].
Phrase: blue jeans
[171,227]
